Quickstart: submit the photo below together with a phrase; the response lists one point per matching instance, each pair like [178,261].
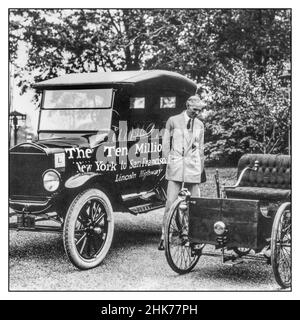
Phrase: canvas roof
[115,78]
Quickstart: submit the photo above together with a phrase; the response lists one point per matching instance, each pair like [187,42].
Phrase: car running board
[143,208]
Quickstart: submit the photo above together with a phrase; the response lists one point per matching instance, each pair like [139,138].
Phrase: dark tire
[178,253]
[281,246]
[88,229]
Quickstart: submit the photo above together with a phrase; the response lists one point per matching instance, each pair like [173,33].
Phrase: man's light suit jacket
[184,149]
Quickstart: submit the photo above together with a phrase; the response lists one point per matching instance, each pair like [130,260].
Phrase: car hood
[90,141]
[64,143]
[54,145]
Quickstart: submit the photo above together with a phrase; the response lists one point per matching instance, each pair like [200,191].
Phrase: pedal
[197,249]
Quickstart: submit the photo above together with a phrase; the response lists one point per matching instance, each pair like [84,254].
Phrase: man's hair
[194,100]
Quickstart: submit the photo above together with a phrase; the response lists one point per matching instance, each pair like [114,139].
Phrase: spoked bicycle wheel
[177,246]
[281,246]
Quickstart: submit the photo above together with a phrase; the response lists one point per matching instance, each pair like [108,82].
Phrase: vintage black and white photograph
[150,149]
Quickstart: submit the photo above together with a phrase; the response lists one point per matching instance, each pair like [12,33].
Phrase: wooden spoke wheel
[281,245]
[88,229]
[177,247]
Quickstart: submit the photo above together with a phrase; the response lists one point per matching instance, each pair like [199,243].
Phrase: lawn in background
[226,175]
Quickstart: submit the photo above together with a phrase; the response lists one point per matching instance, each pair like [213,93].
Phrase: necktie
[190,124]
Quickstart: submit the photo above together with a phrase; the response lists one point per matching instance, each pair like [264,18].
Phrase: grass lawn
[226,175]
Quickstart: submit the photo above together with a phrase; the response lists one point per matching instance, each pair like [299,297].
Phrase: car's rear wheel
[88,229]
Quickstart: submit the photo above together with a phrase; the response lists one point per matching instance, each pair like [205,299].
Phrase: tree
[190,41]
[237,54]
[199,39]
[60,41]
[251,112]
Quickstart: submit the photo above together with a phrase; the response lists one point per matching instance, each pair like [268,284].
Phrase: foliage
[251,111]
[198,40]
[237,54]
[191,41]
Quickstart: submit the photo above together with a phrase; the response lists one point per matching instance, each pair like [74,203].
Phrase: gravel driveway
[38,262]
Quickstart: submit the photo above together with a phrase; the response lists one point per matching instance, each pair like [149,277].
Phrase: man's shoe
[161,245]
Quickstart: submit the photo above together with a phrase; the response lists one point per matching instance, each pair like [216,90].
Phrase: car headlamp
[219,228]
[51,180]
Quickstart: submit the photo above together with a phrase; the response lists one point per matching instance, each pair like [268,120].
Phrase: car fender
[80,179]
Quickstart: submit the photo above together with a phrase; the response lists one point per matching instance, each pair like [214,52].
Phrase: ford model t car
[250,220]
[98,151]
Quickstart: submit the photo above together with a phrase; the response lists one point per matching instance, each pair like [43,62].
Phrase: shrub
[250,111]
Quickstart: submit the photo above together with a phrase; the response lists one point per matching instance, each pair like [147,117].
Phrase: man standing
[183,146]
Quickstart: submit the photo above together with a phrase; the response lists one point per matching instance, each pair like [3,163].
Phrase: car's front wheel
[88,229]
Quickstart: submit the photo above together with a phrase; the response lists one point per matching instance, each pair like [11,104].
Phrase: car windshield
[76,110]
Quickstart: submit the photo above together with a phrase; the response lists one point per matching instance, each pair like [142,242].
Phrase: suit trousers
[172,192]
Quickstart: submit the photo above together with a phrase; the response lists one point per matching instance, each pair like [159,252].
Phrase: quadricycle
[250,220]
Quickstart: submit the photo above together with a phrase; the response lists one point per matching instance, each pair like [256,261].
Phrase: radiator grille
[25,174]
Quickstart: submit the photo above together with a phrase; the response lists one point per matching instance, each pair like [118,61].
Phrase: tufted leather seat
[272,180]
